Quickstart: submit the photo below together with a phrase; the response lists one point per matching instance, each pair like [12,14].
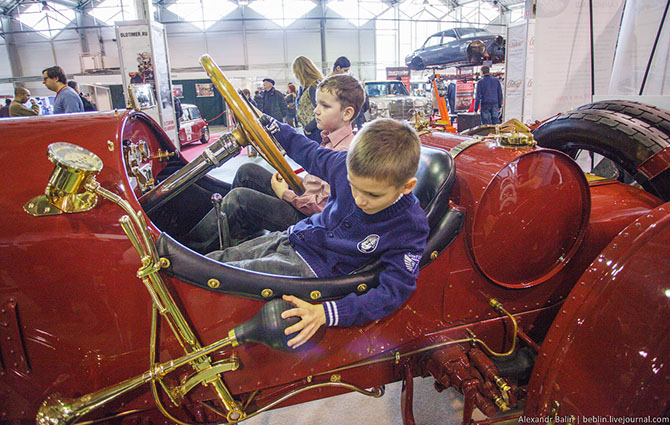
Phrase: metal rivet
[433,255]
[213,283]
[362,287]
[164,262]
[266,293]
[110,145]
[315,295]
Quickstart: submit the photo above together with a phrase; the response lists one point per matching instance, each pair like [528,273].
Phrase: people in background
[258,96]
[255,190]
[4,111]
[178,112]
[341,66]
[17,108]
[272,103]
[360,119]
[371,215]
[309,77]
[489,97]
[291,97]
[451,98]
[67,100]
[247,95]
[88,105]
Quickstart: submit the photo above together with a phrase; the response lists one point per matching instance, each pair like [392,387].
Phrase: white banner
[562,69]
[514,71]
[143,60]
[163,83]
[639,26]
[528,79]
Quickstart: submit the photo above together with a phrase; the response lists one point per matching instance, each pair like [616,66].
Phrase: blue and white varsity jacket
[342,237]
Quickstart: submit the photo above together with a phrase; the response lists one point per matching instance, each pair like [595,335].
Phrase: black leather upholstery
[435,175]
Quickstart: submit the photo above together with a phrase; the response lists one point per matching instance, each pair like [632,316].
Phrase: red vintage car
[544,291]
[192,127]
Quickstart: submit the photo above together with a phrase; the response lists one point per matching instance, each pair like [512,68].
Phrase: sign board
[465,91]
[143,60]
[399,73]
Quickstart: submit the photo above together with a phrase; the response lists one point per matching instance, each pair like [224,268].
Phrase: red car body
[581,265]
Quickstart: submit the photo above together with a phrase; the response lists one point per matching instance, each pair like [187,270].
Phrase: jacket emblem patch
[369,244]
[411,262]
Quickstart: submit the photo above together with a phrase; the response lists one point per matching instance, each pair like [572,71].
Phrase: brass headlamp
[65,192]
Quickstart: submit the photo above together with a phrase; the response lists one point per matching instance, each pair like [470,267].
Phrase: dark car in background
[458,46]
[192,127]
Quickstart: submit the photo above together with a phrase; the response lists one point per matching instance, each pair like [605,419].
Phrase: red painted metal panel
[607,351]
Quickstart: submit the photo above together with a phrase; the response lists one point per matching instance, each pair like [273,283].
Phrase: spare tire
[657,117]
[627,141]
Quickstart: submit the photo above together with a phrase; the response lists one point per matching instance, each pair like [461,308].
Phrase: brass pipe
[143,243]
[61,411]
[497,306]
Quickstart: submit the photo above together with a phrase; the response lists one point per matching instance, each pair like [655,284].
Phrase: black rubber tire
[659,118]
[205,135]
[626,141]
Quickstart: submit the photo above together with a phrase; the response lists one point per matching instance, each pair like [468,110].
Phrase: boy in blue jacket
[371,214]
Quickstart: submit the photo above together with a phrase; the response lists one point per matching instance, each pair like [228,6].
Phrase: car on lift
[192,126]
[458,46]
[543,287]
[390,99]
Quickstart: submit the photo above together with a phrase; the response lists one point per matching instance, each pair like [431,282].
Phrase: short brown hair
[347,89]
[485,69]
[18,91]
[385,150]
[57,73]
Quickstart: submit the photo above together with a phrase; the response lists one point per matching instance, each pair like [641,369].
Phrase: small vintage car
[192,127]
[543,291]
[458,46]
[390,99]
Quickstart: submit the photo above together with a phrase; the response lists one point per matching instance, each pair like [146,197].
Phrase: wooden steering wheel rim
[259,136]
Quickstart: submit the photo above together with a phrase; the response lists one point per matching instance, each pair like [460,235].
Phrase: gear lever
[221,222]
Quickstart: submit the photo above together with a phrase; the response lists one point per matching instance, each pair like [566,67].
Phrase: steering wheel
[255,132]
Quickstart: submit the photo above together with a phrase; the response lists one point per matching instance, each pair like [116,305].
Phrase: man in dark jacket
[273,102]
[489,96]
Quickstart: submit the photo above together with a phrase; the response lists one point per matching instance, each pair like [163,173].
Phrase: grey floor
[430,408]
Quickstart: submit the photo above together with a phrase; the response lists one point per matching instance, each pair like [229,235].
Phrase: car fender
[607,350]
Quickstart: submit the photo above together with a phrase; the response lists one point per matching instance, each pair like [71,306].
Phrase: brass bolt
[315,295]
[266,293]
[433,255]
[362,287]
[164,263]
[213,283]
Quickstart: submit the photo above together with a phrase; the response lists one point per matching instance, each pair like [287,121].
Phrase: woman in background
[309,77]
[341,66]
[291,98]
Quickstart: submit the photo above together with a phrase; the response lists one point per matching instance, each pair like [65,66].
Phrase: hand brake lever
[221,222]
